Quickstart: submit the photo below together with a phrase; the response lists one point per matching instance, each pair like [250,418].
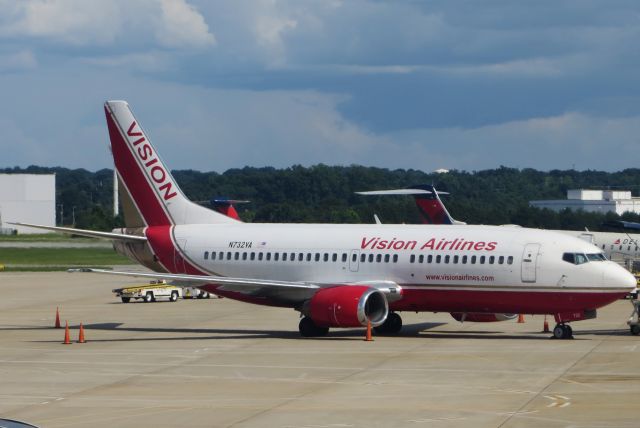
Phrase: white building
[598,201]
[27,198]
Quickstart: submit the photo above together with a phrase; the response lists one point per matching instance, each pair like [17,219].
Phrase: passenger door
[529,262]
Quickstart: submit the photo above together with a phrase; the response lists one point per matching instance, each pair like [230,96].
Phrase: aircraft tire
[561,331]
[392,325]
[308,328]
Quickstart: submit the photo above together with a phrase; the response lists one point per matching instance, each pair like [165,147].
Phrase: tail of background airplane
[149,194]
[430,207]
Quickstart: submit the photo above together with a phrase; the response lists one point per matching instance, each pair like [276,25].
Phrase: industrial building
[28,198]
[597,201]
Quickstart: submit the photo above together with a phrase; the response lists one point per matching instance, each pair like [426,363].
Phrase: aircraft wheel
[562,331]
[635,329]
[308,328]
[569,332]
[392,325]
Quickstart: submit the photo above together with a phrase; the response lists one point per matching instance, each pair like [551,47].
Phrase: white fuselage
[421,258]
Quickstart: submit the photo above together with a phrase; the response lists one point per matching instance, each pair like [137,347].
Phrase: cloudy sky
[415,84]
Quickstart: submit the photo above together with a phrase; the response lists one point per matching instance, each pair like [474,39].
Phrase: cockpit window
[575,258]
[596,257]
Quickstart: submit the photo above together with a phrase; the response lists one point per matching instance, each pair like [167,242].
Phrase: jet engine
[481,317]
[348,306]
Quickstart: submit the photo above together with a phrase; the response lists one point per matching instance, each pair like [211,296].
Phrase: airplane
[346,275]
[432,210]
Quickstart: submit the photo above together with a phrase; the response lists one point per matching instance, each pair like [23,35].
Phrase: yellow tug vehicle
[149,292]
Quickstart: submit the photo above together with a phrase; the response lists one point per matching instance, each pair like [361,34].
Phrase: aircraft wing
[89,233]
[284,292]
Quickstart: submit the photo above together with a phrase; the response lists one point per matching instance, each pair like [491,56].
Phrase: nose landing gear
[563,331]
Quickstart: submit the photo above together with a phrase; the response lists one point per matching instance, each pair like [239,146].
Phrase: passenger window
[229,255]
[300,257]
[344,257]
[492,259]
[510,260]
[317,257]
[260,255]
[455,259]
[501,260]
[334,257]
[236,256]
[363,258]
[213,255]
[253,256]
[354,257]
[276,256]
[378,258]
[221,255]
[482,258]
[421,259]
[326,257]
[206,255]
[438,258]
[473,260]
[464,260]
[429,259]
[370,258]
[386,258]
[412,258]
[244,256]
[446,258]
[284,257]
[268,256]
[308,257]
[395,258]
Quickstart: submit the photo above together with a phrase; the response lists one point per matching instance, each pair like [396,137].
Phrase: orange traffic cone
[67,341]
[520,319]
[81,334]
[368,338]
[546,325]
[57,318]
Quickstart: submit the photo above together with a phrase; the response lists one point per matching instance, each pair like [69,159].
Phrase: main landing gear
[563,331]
[309,329]
[392,325]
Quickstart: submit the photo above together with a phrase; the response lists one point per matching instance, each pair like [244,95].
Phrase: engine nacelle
[348,306]
[481,317]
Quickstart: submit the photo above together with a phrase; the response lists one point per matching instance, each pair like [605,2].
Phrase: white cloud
[183,26]
[165,23]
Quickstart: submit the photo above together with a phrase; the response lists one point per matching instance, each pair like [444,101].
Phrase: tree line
[325,194]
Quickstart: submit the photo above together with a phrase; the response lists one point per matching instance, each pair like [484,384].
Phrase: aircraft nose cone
[620,277]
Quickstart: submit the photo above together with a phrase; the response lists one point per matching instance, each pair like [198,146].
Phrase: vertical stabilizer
[148,190]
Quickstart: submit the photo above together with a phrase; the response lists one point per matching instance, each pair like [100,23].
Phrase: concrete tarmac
[220,363]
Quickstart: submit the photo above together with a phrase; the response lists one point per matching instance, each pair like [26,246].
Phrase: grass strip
[43,257]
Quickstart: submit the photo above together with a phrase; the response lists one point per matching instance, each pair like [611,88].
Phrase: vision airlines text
[458,244]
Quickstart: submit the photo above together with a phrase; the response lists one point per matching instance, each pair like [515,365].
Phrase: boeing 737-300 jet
[346,275]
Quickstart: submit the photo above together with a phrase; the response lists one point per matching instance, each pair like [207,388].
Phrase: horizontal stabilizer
[88,233]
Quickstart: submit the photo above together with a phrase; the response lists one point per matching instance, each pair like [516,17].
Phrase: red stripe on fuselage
[132,174]
[163,246]
[525,302]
